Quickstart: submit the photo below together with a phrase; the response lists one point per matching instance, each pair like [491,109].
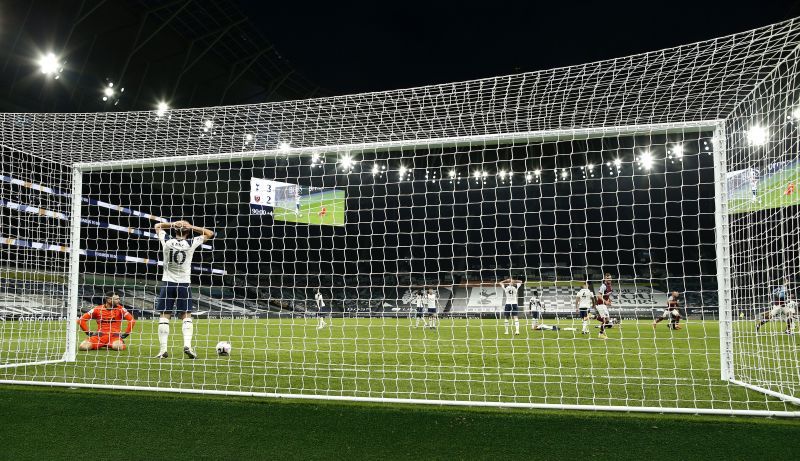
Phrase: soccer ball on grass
[223,348]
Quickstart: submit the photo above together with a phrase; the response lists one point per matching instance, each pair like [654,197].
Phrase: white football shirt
[431,300]
[318,298]
[512,291]
[585,298]
[178,257]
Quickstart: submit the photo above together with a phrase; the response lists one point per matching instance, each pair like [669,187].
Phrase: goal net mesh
[361,242]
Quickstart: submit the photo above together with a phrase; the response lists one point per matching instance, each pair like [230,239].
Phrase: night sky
[404,44]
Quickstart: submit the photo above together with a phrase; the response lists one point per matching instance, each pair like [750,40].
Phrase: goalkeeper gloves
[92,333]
[124,335]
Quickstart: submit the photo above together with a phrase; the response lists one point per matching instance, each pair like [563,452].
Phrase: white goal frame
[734,95]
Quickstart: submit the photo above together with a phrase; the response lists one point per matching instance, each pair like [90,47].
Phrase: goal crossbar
[456,141]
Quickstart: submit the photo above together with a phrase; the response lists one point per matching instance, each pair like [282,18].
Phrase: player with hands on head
[175,294]
[510,287]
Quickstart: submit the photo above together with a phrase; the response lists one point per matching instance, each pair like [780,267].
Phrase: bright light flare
[646,160]
[48,64]
[757,135]
[162,109]
[346,162]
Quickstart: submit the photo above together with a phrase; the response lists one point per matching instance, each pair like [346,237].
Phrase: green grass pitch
[311,210]
[771,193]
[464,359]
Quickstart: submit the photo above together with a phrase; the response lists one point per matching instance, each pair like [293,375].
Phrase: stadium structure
[668,171]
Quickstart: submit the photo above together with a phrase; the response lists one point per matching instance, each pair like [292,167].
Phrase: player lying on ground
[671,312]
[511,289]
[782,303]
[109,317]
[175,293]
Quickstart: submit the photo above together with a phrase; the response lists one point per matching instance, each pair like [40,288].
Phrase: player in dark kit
[671,313]
[603,303]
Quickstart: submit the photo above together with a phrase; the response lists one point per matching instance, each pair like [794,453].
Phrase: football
[223,348]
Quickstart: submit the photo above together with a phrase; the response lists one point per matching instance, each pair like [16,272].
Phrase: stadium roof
[690,84]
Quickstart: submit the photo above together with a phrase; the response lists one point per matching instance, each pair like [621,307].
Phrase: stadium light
[502,174]
[49,65]
[346,162]
[590,166]
[677,150]
[617,162]
[757,135]
[477,174]
[285,146]
[646,160]
[485,174]
[452,173]
[162,109]
[375,169]
[315,157]
[537,172]
[248,138]
[207,125]
[403,170]
[528,177]
[564,173]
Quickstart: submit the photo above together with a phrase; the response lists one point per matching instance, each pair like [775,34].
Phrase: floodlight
[757,135]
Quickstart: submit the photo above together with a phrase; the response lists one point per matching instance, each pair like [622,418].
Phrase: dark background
[194,53]
[657,226]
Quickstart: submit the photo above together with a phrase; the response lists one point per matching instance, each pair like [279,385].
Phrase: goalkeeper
[109,317]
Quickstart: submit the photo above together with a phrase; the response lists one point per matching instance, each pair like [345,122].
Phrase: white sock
[585,326]
[188,329]
[505,325]
[516,326]
[163,334]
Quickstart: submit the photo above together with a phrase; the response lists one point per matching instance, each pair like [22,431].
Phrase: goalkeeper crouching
[109,317]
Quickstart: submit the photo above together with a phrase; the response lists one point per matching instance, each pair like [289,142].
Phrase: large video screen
[297,203]
[772,186]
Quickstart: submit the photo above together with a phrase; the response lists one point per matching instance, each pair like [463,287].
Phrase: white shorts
[670,313]
[602,311]
[785,309]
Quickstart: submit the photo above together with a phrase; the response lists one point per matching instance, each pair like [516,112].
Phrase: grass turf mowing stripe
[66,424]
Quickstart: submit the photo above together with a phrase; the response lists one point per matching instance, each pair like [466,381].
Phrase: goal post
[71,345]
[34,317]
[645,208]
[723,254]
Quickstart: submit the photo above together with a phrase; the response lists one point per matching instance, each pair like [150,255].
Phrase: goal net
[615,235]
